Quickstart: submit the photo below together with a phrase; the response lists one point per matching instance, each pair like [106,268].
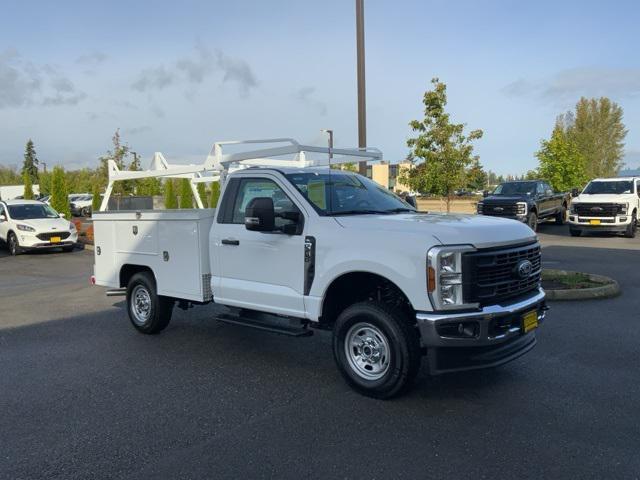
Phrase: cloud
[195,68]
[92,59]
[576,82]
[23,83]
[632,158]
[154,78]
[306,96]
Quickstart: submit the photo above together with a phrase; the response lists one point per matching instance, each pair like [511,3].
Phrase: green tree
[118,154]
[59,192]
[148,187]
[170,199]
[215,194]
[28,186]
[202,193]
[9,176]
[561,162]
[31,162]
[96,201]
[476,176]
[186,195]
[597,130]
[44,183]
[443,147]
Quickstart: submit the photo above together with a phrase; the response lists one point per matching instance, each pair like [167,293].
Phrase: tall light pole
[362,97]
[330,133]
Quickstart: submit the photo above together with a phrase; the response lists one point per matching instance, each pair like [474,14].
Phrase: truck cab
[606,205]
[302,248]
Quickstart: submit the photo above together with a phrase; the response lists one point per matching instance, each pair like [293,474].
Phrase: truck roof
[288,170]
[22,202]
[614,179]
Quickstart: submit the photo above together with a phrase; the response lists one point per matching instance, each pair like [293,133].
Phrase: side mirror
[548,192]
[3,217]
[61,215]
[259,216]
[575,192]
[411,200]
[485,193]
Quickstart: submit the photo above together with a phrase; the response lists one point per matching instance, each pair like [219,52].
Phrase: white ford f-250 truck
[606,205]
[295,246]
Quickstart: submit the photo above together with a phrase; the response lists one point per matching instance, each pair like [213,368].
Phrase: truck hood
[604,198]
[448,229]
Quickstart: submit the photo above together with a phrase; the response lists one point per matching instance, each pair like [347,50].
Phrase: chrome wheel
[367,351]
[140,304]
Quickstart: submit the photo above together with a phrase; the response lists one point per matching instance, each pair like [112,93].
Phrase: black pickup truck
[527,201]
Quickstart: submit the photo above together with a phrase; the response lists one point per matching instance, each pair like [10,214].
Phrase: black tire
[68,248]
[561,216]
[13,244]
[159,309]
[532,221]
[402,358]
[633,226]
[575,233]
[85,212]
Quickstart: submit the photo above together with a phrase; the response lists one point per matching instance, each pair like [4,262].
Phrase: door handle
[229,241]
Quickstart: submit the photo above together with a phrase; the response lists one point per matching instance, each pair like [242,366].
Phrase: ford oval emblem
[523,269]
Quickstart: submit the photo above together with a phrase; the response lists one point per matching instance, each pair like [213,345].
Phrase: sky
[175,77]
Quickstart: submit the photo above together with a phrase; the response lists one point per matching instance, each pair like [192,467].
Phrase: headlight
[624,208]
[25,228]
[444,277]
[71,226]
[479,207]
[521,208]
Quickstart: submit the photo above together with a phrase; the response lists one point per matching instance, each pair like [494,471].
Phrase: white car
[81,205]
[31,225]
[606,205]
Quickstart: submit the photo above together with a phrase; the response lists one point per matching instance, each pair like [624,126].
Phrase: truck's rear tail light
[431,279]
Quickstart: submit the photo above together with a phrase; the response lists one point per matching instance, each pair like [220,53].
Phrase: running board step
[267,326]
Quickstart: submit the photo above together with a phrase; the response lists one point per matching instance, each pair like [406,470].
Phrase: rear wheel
[574,232]
[632,227]
[13,244]
[561,216]
[376,349]
[86,212]
[532,221]
[149,312]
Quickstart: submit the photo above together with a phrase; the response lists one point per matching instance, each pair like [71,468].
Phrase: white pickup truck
[606,205]
[294,246]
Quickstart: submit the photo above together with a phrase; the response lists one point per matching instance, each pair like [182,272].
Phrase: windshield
[31,211]
[346,194]
[515,188]
[612,187]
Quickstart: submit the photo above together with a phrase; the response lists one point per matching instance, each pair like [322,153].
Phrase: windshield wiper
[358,212]
[401,209]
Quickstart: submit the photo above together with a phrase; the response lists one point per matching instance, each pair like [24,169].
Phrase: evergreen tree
[31,162]
[28,186]
[186,195]
[59,192]
[96,201]
[215,194]
[202,193]
[170,199]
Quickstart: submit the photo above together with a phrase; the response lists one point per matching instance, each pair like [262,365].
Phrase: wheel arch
[128,270]
[355,286]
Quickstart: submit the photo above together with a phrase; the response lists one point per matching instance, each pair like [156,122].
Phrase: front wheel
[561,216]
[632,227]
[532,221]
[149,312]
[376,349]
[13,244]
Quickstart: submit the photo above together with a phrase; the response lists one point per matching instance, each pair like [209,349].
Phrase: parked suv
[526,201]
[31,225]
[606,205]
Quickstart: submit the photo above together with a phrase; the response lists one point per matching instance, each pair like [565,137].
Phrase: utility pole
[362,98]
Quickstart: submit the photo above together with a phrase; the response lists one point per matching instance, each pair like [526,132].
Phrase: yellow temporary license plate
[594,222]
[530,321]
[55,239]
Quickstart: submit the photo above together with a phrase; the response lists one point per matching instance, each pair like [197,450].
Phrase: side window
[2,210]
[548,187]
[540,188]
[251,188]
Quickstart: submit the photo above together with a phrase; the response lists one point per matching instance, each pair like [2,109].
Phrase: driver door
[259,270]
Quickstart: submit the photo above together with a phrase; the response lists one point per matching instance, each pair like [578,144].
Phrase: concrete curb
[86,246]
[609,290]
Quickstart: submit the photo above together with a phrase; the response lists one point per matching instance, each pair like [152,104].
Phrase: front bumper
[29,241]
[498,336]
[608,224]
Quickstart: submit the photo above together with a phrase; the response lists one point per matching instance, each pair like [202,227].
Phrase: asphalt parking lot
[83,395]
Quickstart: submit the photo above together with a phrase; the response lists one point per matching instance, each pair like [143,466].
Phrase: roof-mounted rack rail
[219,163]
